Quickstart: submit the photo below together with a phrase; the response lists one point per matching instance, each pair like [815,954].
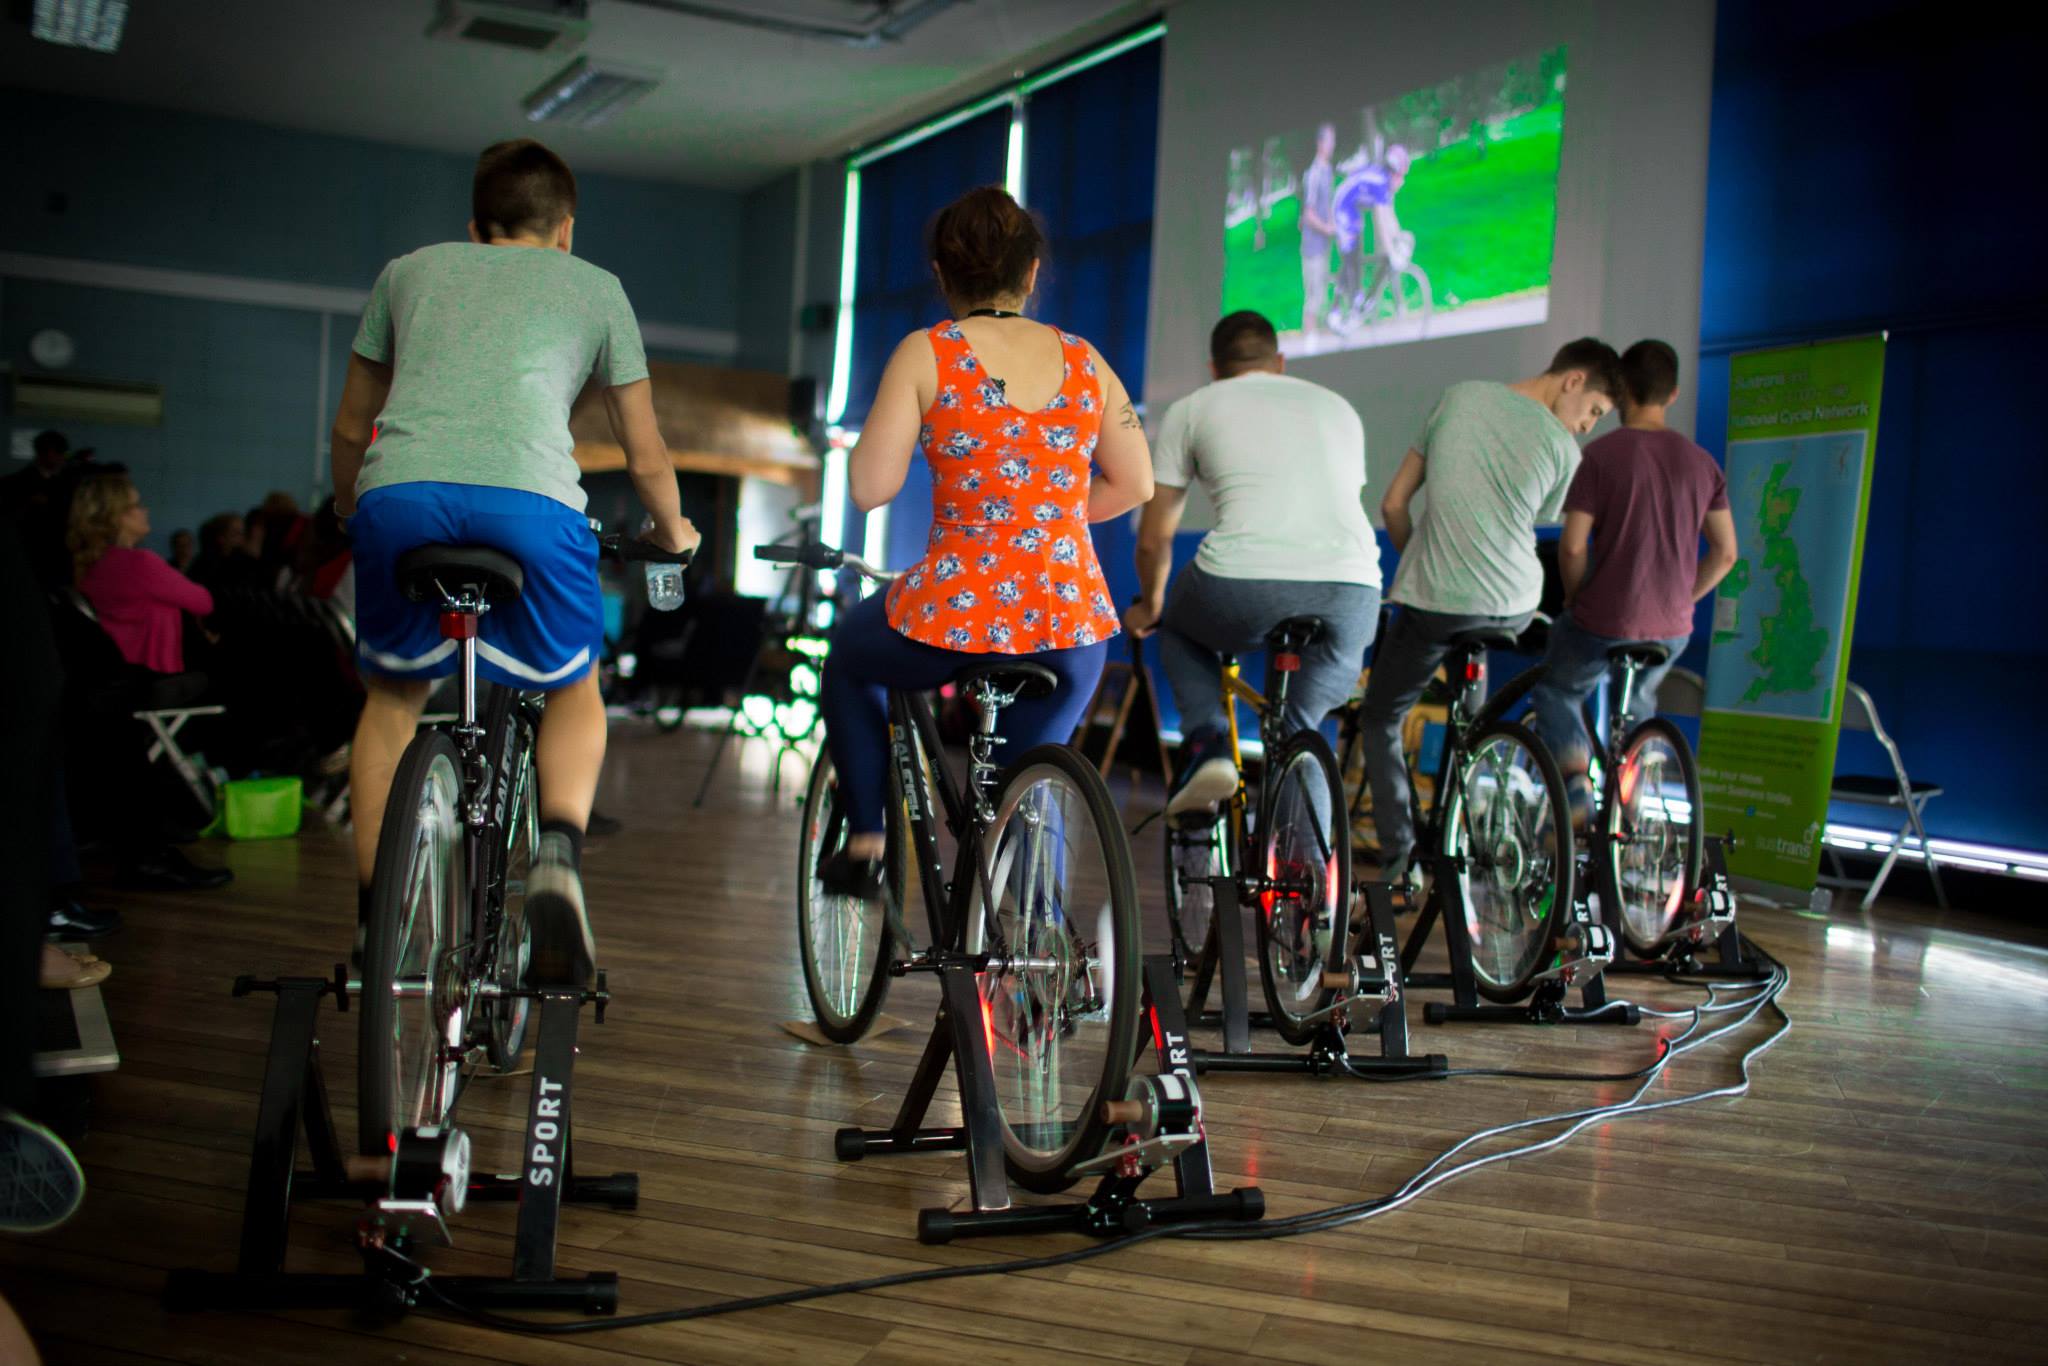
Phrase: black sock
[571,832]
[362,905]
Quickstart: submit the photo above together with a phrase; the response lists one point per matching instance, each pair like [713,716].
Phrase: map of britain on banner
[1783,604]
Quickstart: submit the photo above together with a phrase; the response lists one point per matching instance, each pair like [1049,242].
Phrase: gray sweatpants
[1416,644]
[1208,616]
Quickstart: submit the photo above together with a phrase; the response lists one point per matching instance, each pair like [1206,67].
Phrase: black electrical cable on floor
[1313,1221]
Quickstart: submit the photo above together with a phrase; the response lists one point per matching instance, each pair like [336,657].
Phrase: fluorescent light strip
[842,339]
[1095,58]
[1013,170]
[934,128]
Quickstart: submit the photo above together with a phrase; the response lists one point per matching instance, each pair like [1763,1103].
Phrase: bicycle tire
[1008,997]
[1549,886]
[424,815]
[823,830]
[1641,934]
[1324,860]
[511,835]
[1191,911]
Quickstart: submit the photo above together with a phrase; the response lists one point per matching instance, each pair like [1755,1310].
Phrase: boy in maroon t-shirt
[1646,495]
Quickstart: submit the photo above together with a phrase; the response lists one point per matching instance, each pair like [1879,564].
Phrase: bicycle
[1645,856]
[1288,845]
[446,945]
[1497,846]
[1033,933]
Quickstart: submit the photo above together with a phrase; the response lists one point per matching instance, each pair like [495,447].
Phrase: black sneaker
[167,868]
[70,922]
[564,954]
[843,875]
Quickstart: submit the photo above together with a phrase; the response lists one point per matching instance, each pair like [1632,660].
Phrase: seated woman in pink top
[138,597]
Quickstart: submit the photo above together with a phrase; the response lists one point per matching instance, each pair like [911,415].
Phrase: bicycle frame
[917,766]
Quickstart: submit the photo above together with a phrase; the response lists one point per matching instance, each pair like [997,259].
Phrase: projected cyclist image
[1428,215]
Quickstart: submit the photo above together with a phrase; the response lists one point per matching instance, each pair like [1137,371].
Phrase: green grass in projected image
[1479,199]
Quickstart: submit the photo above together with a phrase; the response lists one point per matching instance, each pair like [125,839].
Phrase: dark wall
[1871,169]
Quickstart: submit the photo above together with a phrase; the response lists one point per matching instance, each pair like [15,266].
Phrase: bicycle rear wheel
[1305,852]
[1510,826]
[411,1024]
[1192,855]
[1655,840]
[1057,914]
[844,941]
[510,722]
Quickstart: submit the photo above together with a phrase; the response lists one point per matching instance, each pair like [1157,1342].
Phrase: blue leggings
[869,657]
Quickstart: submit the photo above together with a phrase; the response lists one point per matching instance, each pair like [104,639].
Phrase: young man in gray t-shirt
[1495,460]
[454,428]
[1283,463]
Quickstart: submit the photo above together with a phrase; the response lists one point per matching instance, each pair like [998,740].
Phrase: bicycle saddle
[1019,676]
[426,572]
[1647,654]
[1295,632]
[1484,638]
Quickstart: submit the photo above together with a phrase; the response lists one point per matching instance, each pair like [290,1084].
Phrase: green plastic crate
[262,808]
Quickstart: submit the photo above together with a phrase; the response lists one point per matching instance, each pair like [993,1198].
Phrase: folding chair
[1894,791]
[167,698]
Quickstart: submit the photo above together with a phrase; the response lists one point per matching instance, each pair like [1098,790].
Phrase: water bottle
[664,586]
[664,581]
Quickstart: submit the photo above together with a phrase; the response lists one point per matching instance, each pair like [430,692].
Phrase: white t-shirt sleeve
[1173,460]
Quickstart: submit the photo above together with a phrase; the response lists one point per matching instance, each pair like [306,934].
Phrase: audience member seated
[183,550]
[136,595]
[224,560]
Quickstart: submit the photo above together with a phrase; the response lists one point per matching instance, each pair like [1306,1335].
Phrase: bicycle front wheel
[1305,861]
[844,941]
[1055,908]
[1509,828]
[1655,840]
[411,1024]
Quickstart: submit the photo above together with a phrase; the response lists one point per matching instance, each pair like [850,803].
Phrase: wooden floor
[1881,1196]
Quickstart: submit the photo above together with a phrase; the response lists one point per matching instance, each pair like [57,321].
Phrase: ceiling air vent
[525,25]
[585,94]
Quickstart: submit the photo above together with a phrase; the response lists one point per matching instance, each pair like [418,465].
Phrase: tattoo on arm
[1129,416]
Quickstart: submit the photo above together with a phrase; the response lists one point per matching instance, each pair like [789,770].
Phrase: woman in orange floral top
[1010,414]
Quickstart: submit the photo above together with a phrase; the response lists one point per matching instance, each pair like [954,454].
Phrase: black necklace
[994,313]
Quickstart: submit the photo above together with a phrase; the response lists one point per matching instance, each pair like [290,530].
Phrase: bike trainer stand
[1371,988]
[1161,1121]
[1710,947]
[1586,948]
[425,1179]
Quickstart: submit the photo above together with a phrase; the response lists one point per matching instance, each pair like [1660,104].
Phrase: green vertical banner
[1802,427]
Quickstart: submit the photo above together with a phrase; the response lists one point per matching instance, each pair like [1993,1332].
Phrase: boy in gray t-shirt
[1496,459]
[454,429]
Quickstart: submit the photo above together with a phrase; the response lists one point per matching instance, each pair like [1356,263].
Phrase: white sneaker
[1212,781]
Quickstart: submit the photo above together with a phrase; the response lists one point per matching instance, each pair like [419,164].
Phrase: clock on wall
[51,349]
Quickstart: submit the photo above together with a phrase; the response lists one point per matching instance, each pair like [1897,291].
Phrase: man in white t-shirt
[1283,463]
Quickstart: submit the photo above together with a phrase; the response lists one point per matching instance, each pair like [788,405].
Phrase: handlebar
[818,555]
[631,549]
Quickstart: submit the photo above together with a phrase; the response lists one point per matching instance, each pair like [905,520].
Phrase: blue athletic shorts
[550,637]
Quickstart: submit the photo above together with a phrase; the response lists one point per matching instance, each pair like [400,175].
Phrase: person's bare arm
[1574,553]
[1394,506]
[631,409]
[1155,558]
[880,460]
[363,393]
[1123,458]
[1719,529]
